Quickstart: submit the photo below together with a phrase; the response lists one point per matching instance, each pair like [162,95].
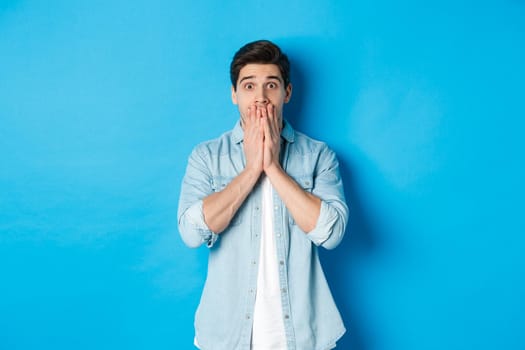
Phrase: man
[263,197]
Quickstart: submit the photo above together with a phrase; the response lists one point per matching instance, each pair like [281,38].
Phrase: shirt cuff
[195,218]
[323,229]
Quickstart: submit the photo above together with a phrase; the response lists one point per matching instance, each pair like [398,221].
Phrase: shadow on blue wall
[341,264]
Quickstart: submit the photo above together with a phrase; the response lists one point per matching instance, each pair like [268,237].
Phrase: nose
[261,97]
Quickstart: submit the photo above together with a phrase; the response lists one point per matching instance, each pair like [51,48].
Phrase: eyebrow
[270,77]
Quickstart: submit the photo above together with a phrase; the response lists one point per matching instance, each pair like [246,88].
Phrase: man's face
[259,85]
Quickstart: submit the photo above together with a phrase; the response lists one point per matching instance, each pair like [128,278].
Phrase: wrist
[252,173]
[273,169]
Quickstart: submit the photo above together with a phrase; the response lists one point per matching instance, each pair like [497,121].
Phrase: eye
[272,85]
[248,86]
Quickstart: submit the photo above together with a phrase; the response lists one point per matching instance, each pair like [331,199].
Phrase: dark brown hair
[263,52]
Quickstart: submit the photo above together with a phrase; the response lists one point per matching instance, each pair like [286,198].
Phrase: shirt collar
[288,133]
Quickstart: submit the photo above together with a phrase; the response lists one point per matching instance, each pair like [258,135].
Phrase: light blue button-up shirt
[223,320]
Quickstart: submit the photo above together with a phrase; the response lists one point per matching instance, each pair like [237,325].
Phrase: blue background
[102,101]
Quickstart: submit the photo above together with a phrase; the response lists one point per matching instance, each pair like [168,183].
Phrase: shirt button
[286,316]
[278,235]
[284,290]
[276,207]
[281,262]
[254,262]
[247,317]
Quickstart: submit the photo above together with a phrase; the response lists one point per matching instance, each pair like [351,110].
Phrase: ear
[288,92]
[234,95]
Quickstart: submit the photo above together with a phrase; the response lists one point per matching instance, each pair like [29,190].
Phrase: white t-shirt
[268,326]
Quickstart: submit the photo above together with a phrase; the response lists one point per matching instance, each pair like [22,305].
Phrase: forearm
[220,207]
[303,206]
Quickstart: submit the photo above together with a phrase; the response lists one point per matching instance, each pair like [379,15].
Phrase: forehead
[260,71]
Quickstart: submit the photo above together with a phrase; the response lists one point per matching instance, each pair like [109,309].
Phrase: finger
[267,130]
[258,115]
[260,123]
[264,112]
[270,111]
[247,117]
[279,120]
[273,122]
[250,111]
[253,126]
[269,114]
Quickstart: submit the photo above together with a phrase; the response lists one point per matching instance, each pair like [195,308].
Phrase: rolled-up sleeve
[196,185]
[328,186]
